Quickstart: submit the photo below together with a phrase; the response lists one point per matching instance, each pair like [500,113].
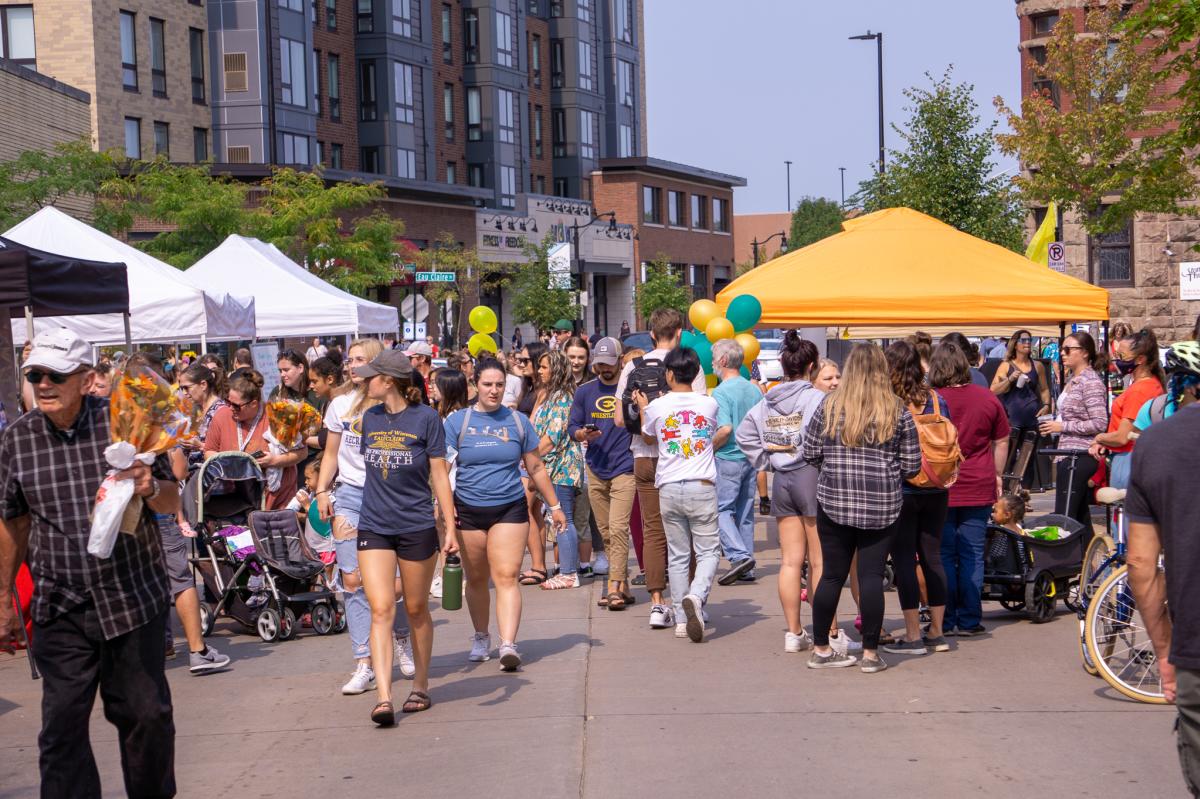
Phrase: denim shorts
[175,554]
[347,502]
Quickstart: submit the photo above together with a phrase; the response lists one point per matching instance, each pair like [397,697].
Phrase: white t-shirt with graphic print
[684,424]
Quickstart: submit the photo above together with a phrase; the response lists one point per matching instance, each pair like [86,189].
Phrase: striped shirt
[861,486]
[1083,409]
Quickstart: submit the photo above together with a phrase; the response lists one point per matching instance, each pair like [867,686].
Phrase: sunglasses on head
[35,376]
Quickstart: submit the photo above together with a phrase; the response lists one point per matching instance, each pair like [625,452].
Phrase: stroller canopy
[228,485]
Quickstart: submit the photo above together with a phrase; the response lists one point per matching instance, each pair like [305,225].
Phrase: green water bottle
[452,583]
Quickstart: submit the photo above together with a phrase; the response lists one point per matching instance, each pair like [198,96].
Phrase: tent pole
[10,382]
[1058,367]
[1107,348]
[28,323]
[204,344]
[128,334]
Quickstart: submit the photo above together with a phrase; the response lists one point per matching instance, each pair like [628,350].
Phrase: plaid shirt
[862,486]
[52,476]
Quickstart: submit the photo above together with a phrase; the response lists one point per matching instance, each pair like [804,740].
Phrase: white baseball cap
[59,351]
[420,348]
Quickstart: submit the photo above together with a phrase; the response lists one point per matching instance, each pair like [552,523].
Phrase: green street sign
[435,277]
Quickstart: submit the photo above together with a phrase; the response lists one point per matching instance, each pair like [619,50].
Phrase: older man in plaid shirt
[98,623]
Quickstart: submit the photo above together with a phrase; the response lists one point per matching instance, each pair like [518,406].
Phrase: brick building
[763,228]
[1140,264]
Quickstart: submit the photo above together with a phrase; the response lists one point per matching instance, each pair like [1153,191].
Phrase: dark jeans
[1079,507]
[919,533]
[75,660]
[963,538]
[1187,726]
[839,542]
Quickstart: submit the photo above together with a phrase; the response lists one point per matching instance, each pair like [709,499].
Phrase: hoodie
[772,433]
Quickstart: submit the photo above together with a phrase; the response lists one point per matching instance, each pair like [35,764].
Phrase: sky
[740,86]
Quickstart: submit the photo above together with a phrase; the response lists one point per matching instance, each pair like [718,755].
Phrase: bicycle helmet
[1183,357]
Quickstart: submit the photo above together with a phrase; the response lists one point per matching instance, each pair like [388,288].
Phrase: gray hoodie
[772,433]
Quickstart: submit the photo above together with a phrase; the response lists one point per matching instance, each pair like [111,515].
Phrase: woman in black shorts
[493,518]
[404,451]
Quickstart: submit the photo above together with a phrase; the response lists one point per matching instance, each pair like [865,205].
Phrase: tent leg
[1107,390]
[204,345]
[28,323]
[1058,367]
[10,382]
[128,334]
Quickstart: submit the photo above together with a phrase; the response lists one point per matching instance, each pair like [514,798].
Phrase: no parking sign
[1057,256]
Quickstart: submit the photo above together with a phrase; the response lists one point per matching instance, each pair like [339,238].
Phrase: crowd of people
[573,453]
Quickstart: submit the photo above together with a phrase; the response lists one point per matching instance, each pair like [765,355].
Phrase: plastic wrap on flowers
[289,422]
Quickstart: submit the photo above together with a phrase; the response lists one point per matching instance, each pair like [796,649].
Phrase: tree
[947,169]
[533,300]
[471,276]
[662,288]
[36,179]
[1175,26]
[815,218]
[1087,155]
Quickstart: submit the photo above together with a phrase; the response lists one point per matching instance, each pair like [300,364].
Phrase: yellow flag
[1038,250]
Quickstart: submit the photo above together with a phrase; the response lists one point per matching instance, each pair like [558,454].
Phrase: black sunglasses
[35,376]
[238,406]
[1068,348]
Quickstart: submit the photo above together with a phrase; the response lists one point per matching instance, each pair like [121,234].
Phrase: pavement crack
[587,672]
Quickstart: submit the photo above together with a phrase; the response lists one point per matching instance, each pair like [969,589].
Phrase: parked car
[641,340]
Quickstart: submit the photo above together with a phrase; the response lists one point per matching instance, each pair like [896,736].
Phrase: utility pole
[842,169]
[789,185]
[878,37]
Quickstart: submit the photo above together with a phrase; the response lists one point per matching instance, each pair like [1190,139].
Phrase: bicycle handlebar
[1062,453]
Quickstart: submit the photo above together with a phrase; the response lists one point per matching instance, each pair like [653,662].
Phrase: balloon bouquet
[740,318]
[483,321]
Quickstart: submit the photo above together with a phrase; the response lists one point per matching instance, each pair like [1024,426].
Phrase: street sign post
[1057,256]
[435,277]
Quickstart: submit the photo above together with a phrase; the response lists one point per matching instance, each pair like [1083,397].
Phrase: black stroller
[255,565]
[1030,574]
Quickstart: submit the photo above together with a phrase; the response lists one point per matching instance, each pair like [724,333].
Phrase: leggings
[919,534]
[838,545]
[1078,508]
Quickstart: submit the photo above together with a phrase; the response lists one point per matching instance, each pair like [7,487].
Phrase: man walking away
[736,478]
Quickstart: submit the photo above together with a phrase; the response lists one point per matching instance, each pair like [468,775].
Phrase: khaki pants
[654,539]
[612,505]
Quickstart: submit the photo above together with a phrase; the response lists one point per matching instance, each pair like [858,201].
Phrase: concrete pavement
[607,708]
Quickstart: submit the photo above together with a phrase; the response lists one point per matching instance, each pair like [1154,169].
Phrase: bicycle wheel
[1098,551]
[1118,642]
[1084,656]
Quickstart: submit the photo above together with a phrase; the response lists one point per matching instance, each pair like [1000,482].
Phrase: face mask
[1125,367]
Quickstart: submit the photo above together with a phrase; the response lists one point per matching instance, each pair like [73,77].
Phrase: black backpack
[649,376]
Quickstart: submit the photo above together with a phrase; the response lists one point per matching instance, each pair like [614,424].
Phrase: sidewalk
[607,708]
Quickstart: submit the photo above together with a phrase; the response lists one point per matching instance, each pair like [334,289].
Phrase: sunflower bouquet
[194,412]
[289,422]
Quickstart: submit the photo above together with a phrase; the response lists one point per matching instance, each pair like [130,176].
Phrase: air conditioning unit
[235,72]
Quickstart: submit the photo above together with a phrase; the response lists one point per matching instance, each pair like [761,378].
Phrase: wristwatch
[155,492]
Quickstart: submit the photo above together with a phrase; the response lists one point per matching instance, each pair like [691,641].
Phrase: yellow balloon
[718,328]
[480,342]
[702,312]
[749,346]
[711,381]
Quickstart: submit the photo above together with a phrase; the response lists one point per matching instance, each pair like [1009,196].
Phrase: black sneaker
[971,632]
[939,644]
[905,648]
[585,571]
[640,579]
[736,570]
[764,506]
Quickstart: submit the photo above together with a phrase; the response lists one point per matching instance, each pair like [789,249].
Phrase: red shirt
[1131,400]
[980,420]
[223,437]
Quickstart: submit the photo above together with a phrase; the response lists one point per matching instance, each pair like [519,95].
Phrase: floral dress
[564,461]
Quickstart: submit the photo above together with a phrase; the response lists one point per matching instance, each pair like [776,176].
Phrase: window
[556,63]
[699,212]
[334,88]
[292,73]
[623,22]
[504,111]
[556,8]
[534,8]
[675,209]
[369,159]
[558,130]
[162,139]
[625,147]
[540,185]
[366,95]
[584,8]
[295,149]
[158,58]
[199,145]
[366,24]
[331,15]
[720,215]
[451,173]
[625,83]
[320,150]
[474,114]
[475,175]
[133,137]
[294,5]
[406,163]
[652,205]
[447,49]
[471,35]
[16,35]
[1042,85]
[405,111]
[129,74]
[562,187]
[508,187]
[1111,259]
[585,65]
[537,131]
[535,60]
[316,86]
[196,45]
[335,156]
[402,18]
[504,39]
[448,109]
[587,134]
[1043,24]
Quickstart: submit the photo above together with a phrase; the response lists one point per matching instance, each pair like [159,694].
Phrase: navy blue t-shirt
[609,455]
[396,448]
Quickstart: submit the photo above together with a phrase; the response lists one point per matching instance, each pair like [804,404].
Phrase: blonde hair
[371,348]
[862,409]
[629,355]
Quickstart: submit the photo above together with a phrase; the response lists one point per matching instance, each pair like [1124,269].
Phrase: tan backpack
[940,454]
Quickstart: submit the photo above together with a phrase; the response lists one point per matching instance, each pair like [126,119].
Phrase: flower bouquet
[146,421]
[289,422]
[194,412]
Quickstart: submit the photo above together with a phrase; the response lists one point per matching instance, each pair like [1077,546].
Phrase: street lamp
[789,185]
[781,235]
[878,37]
[842,169]
[576,262]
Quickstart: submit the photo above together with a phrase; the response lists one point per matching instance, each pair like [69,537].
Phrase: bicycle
[1104,555]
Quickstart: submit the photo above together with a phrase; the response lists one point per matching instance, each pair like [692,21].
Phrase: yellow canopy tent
[901,268]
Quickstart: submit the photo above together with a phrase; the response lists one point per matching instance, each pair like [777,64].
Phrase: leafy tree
[947,169]
[36,179]
[1175,26]
[815,218]
[662,288]
[1087,155]
[471,277]
[534,301]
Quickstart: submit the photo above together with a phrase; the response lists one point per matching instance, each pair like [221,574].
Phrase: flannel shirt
[1083,408]
[862,486]
[52,476]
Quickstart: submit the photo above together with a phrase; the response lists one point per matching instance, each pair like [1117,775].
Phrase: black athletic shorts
[474,517]
[420,545]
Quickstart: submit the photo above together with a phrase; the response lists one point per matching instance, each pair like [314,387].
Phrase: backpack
[1158,408]
[649,376]
[940,454]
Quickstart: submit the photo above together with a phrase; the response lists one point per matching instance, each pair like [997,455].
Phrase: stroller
[255,565]
[1025,573]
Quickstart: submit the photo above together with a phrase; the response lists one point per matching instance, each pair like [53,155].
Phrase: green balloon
[703,349]
[745,372]
[319,527]
[687,340]
[744,312]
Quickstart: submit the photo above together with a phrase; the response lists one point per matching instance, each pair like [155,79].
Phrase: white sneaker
[404,656]
[793,642]
[842,643]
[661,617]
[481,648]
[361,681]
[435,588]
[681,630]
[510,658]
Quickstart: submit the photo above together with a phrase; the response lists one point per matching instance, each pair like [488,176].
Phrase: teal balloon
[745,372]
[703,349]
[321,528]
[744,312]
[687,340]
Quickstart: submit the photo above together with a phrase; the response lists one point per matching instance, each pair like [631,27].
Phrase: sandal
[602,602]
[416,702]
[559,581]
[532,577]
[384,714]
[629,599]
[616,601]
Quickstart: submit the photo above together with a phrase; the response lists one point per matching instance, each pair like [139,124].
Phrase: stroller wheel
[339,619]
[322,618]
[208,619]
[1040,598]
[268,625]
[287,625]
[1073,598]
[1012,604]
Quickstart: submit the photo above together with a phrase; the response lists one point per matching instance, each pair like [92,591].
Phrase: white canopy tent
[162,305]
[289,300]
